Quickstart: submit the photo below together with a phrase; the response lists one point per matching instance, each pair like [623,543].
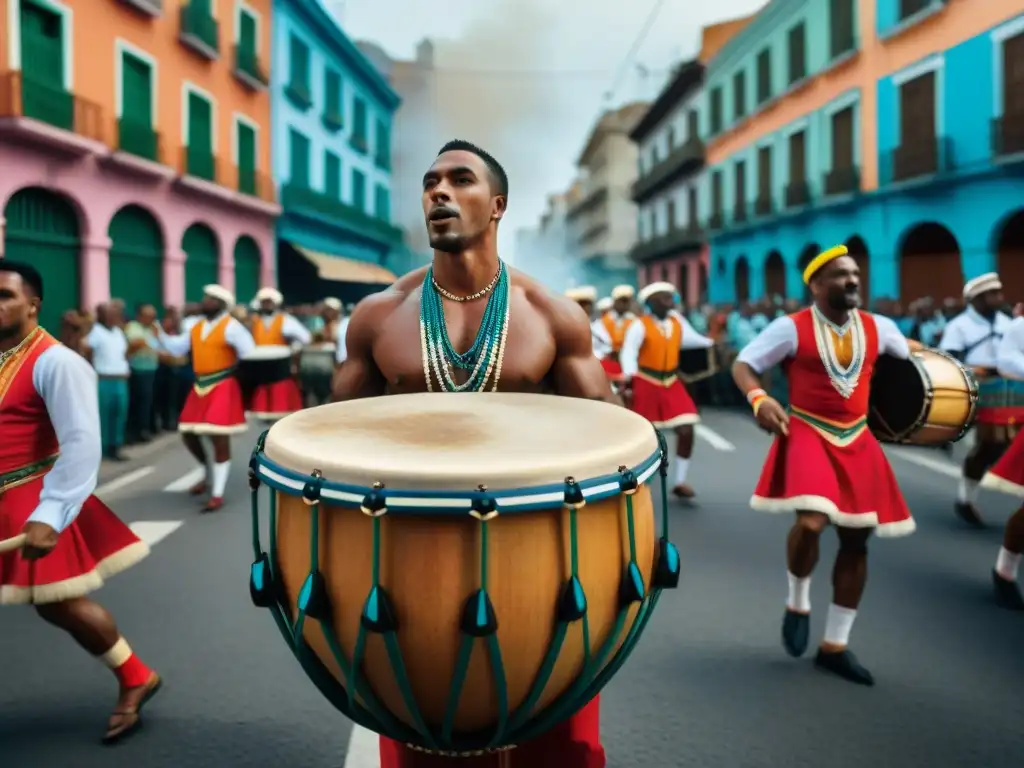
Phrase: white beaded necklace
[844,378]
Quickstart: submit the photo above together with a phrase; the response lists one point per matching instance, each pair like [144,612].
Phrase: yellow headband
[822,259]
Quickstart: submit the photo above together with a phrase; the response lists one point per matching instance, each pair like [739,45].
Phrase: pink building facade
[688,272]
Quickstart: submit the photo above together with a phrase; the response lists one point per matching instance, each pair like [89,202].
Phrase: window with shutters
[842,178]
[739,212]
[670,138]
[199,122]
[908,8]
[247,49]
[1013,76]
[739,95]
[332,175]
[298,88]
[842,34]
[382,146]
[44,96]
[360,138]
[917,153]
[298,153]
[715,109]
[245,143]
[691,209]
[382,203]
[692,125]
[797,192]
[763,205]
[135,131]
[716,200]
[797,53]
[671,214]
[359,189]
[764,76]
[332,118]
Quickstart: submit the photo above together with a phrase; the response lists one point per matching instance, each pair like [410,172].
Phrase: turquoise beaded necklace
[483,359]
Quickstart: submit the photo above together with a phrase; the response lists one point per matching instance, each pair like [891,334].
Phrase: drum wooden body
[318,358]
[929,399]
[697,364]
[460,507]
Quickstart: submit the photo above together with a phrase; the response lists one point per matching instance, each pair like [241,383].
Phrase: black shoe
[796,630]
[844,664]
[1008,594]
[969,514]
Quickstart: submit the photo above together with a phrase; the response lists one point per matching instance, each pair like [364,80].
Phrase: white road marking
[708,435]
[186,482]
[154,531]
[363,749]
[124,480]
[941,466]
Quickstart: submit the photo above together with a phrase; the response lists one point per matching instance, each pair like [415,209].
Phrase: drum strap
[971,347]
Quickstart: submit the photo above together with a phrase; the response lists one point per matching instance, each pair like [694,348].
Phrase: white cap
[623,292]
[605,304]
[270,294]
[333,303]
[583,293]
[983,283]
[653,288]
[220,293]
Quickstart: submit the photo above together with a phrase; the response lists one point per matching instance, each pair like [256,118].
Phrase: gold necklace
[473,296]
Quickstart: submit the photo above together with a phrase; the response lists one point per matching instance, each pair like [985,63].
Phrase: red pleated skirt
[664,407]
[217,411]
[274,401]
[1008,473]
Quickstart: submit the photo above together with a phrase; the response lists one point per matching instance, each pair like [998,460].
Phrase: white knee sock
[682,468]
[1008,564]
[838,623]
[967,492]
[799,599]
[220,479]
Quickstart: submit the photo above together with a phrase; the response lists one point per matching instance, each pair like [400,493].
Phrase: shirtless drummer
[542,343]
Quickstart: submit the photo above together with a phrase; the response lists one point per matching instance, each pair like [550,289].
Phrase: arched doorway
[930,264]
[136,258]
[741,280]
[201,260]
[809,252]
[775,275]
[248,266]
[43,230]
[859,251]
[1010,256]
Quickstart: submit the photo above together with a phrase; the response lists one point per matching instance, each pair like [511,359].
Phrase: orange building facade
[135,142]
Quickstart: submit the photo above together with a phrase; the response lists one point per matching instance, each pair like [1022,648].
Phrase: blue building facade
[920,172]
[332,114]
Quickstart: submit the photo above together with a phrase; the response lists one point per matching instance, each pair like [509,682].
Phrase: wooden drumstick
[16,542]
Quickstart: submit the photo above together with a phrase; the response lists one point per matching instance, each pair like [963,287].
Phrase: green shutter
[382,148]
[200,137]
[42,61]
[135,129]
[332,175]
[246,36]
[247,269]
[358,190]
[202,262]
[359,137]
[382,203]
[299,152]
[246,158]
[332,94]
[299,69]
[136,257]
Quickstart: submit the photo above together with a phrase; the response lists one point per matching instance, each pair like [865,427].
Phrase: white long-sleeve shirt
[293,331]
[109,350]
[341,348]
[235,334]
[602,339]
[974,338]
[1010,358]
[67,385]
[779,340]
[629,355]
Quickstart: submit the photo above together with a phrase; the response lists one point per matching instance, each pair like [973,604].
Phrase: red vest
[811,389]
[28,435]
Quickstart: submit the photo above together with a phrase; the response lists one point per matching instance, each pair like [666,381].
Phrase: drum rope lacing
[479,620]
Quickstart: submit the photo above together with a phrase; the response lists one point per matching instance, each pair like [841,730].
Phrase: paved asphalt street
[709,685]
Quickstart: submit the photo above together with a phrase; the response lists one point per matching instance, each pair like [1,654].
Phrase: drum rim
[405,501]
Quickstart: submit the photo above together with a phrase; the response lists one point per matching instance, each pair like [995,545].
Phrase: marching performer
[585,296]
[650,364]
[49,462]
[1008,476]
[214,406]
[279,329]
[824,465]
[611,326]
[604,305]
[973,337]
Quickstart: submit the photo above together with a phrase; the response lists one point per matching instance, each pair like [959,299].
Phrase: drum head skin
[897,396]
[268,352]
[459,441]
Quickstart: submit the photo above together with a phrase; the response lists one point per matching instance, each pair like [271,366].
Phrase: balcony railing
[149,7]
[716,221]
[686,158]
[740,212]
[907,8]
[764,205]
[295,197]
[249,70]
[359,142]
[139,139]
[919,158]
[24,97]
[798,193]
[1008,135]
[298,94]
[675,241]
[250,182]
[199,163]
[383,162]
[332,119]
[199,31]
[842,181]
[592,197]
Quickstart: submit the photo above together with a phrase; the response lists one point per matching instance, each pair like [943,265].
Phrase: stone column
[226,267]
[95,270]
[174,277]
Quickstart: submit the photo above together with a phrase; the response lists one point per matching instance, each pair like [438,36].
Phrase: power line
[641,38]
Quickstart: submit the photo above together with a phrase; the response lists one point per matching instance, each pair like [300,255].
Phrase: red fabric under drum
[664,406]
[612,368]
[220,409]
[277,399]
[1008,473]
[575,743]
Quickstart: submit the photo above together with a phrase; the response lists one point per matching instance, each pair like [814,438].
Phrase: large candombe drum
[461,572]
[928,399]
[265,364]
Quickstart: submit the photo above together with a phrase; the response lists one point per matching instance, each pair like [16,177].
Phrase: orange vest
[659,353]
[212,354]
[616,329]
[272,335]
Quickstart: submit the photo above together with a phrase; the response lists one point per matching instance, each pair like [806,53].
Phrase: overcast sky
[526,79]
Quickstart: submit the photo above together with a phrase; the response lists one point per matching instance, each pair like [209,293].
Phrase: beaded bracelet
[758,402]
[754,394]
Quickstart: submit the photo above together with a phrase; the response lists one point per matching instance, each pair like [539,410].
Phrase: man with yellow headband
[824,465]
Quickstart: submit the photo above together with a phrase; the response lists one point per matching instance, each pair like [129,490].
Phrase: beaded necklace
[844,378]
[5,356]
[483,359]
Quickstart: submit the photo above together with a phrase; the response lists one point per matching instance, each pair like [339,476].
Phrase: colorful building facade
[893,126]
[332,117]
[134,142]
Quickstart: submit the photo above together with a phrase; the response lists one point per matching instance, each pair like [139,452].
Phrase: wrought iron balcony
[149,7]
[250,182]
[716,221]
[199,163]
[842,181]
[673,242]
[798,194]
[249,70]
[139,139]
[764,205]
[740,212]
[296,198]
[24,97]
[1008,135]
[684,159]
[199,31]
[919,158]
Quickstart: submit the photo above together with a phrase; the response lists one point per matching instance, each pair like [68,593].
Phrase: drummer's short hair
[499,179]
[29,275]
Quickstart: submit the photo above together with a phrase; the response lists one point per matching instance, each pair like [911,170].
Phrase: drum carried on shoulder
[461,572]
[267,364]
[929,399]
